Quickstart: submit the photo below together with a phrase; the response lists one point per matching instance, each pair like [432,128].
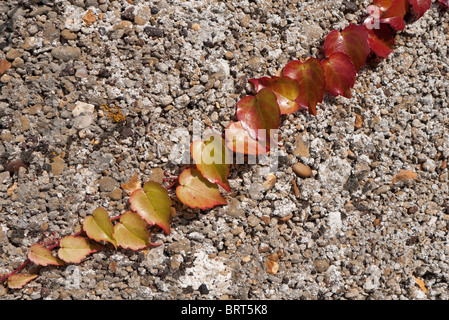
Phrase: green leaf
[131,232]
[286,90]
[99,227]
[74,249]
[197,192]
[42,256]
[17,281]
[259,114]
[212,159]
[310,77]
[239,141]
[153,204]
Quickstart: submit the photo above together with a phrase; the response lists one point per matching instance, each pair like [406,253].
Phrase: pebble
[321,265]
[302,170]
[66,53]
[107,184]
[343,232]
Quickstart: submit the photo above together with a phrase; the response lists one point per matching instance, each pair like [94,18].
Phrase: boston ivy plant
[301,85]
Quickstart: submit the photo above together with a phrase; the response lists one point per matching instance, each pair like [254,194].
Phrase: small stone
[153,31]
[195,26]
[57,167]
[270,182]
[15,165]
[139,21]
[116,194]
[157,174]
[358,121]
[66,53]
[68,35]
[12,54]
[321,265]
[107,184]
[5,78]
[301,149]
[125,24]
[229,55]
[18,63]
[351,293]
[203,289]
[128,14]
[82,107]
[302,170]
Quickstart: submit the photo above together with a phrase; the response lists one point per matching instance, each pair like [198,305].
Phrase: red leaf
[285,89]
[381,40]
[419,7]
[239,141]
[340,74]
[353,41]
[197,192]
[310,77]
[259,114]
[392,12]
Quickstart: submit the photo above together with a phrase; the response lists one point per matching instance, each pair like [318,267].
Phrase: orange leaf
[132,185]
[404,175]
[89,18]
[4,65]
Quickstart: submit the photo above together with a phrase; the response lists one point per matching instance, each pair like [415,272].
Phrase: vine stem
[172,184]
[28,261]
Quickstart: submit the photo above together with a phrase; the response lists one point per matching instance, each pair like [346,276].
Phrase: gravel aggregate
[99,90]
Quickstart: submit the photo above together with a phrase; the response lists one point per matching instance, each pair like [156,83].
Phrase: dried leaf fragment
[4,65]
[272,266]
[421,284]
[404,175]
[132,185]
[89,18]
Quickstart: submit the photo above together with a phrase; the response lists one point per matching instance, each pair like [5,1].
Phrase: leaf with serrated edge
[99,227]
[153,204]
[259,114]
[381,40]
[131,232]
[197,192]
[17,281]
[353,41]
[74,249]
[310,77]
[212,159]
[340,74]
[285,89]
[42,256]
[238,140]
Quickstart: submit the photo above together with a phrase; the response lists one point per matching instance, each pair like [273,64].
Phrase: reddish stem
[27,261]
